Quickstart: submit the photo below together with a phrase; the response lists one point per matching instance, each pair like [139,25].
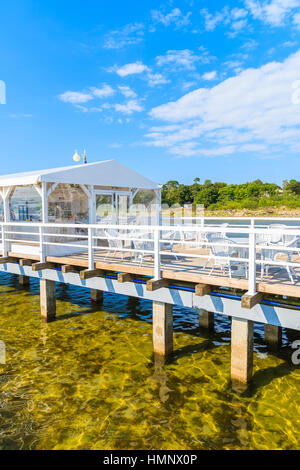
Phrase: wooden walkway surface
[184,269]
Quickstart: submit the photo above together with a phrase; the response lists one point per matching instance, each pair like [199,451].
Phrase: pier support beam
[48,300]
[162,328]
[241,350]
[206,319]
[273,337]
[24,280]
[96,296]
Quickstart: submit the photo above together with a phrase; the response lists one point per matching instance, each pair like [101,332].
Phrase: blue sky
[173,89]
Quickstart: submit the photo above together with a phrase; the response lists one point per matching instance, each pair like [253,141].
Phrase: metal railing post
[90,248]
[252,263]
[4,243]
[42,248]
[157,268]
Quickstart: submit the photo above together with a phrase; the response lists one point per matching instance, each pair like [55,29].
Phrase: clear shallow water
[89,380]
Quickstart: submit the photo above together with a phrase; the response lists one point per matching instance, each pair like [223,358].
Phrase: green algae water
[89,380]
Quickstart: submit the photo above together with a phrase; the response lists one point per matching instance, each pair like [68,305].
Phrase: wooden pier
[181,276]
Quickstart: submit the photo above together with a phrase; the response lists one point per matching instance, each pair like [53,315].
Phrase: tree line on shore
[214,196]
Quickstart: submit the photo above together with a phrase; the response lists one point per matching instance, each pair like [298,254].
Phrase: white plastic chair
[221,255]
[115,243]
[284,240]
[268,255]
[275,238]
[142,247]
[168,241]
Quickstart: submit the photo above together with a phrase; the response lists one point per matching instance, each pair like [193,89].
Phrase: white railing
[220,248]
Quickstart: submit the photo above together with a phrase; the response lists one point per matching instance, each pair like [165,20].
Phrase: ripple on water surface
[89,380]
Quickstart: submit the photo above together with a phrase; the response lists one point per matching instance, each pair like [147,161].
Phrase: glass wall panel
[1,210]
[122,208]
[68,203]
[145,207]
[25,204]
[104,208]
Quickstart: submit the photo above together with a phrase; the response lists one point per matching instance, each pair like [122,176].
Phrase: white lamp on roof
[77,157]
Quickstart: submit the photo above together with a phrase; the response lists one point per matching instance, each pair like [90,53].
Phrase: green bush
[222,196]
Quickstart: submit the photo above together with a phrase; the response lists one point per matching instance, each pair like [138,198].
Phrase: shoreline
[280,212]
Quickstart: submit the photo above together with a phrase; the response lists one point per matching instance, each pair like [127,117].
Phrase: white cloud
[238,13]
[156,79]
[237,26]
[115,145]
[103,92]
[138,68]
[187,85]
[210,75]
[127,91]
[128,35]
[250,44]
[289,43]
[181,59]
[75,97]
[20,115]
[273,12]
[211,21]
[296,20]
[175,16]
[252,111]
[236,18]
[128,108]
[130,69]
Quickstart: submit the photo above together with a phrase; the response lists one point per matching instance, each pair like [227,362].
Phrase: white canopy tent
[105,192]
[108,179]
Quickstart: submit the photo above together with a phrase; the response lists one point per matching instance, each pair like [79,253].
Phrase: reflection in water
[160,377]
[89,380]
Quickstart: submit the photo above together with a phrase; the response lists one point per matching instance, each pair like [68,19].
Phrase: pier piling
[48,300]
[241,350]
[273,337]
[206,319]
[24,280]
[162,328]
[96,296]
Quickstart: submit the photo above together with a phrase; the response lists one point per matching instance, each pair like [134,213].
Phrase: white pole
[42,248]
[158,207]
[92,206]
[252,264]
[4,244]
[44,204]
[157,270]
[90,248]
[6,194]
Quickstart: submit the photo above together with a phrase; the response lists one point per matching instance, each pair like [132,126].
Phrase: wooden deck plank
[41,266]
[6,259]
[125,277]
[90,273]
[202,289]
[26,262]
[155,284]
[68,268]
[186,270]
[249,301]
